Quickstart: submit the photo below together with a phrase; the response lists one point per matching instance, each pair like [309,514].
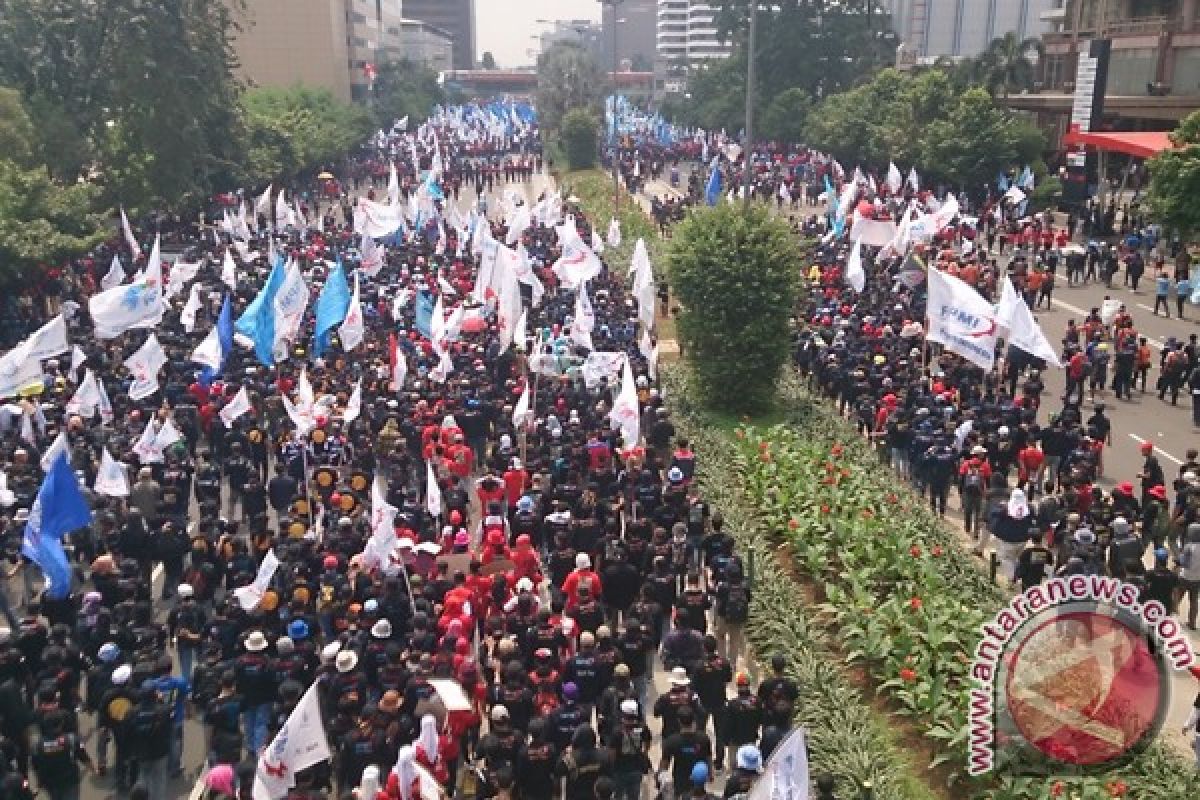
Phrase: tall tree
[1009,64]
[1175,180]
[568,77]
[43,222]
[405,88]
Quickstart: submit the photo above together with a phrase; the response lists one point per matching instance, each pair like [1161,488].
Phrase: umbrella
[325,176]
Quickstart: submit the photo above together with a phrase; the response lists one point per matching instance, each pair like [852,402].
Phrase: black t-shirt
[686,749]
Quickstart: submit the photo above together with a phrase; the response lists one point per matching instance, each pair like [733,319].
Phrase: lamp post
[616,175]
[748,150]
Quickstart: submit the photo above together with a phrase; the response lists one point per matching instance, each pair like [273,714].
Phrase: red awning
[1140,144]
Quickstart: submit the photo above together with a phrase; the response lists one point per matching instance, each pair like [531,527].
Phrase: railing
[1119,28]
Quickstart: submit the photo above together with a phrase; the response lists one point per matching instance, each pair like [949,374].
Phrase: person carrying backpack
[733,610]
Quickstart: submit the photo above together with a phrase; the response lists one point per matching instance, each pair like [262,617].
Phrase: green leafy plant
[578,134]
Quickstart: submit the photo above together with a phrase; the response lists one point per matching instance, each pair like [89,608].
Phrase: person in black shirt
[536,763]
[582,764]
[1034,562]
[683,750]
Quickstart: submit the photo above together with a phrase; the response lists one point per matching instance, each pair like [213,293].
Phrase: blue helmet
[297,630]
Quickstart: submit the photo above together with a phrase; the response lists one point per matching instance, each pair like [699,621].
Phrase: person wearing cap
[186,624]
[536,763]
[500,747]
[675,700]
[747,769]
[583,571]
[1189,572]
[1035,562]
[629,740]
[582,764]
[568,716]
[256,687]
[115,707]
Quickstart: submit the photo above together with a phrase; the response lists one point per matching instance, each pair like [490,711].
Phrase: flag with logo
[111,479]
[352,329]
[300,744]
[60,508]
[961,319]
[144,365]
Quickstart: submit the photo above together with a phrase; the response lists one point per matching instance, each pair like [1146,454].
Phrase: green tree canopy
[579,138]
[43,222]
[294,129]
[405,88]
[784,119]
[568,78]
[1175,180]
[734,271]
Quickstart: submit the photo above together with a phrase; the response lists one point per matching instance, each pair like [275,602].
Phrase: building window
[354,18]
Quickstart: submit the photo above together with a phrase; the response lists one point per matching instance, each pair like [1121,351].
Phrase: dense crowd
[537,571]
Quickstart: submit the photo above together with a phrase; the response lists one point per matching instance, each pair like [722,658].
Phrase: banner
[961,319]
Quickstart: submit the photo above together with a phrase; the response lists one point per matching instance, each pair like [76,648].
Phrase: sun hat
[346,660]
[256,642]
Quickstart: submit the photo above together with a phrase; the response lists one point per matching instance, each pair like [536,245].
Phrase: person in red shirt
[515,481]
[583,571]
[1029,468]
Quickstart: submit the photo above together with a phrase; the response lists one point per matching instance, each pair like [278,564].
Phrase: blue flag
[224,339]
[59,509]
[332,306]
[425,303]
[712,192]
[258,320]
[1002,182]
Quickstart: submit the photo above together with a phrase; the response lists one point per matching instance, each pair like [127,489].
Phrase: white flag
[625,413]
[649,348]
[283,212]
[290,302]
[239,405]
[111,479]
[115,275]
[263,202]
[856,277]
[59,445]
[524,408]
[521,333]
[86,400]
[130,239]
[138,305]
[49,341]
[640,259]
[78,357]
[597,244]
[181,273]
[229,269]
[961,319]
[208,352]
[250,596]
[194,303]
[167,435]
[913,180]
[18,370]
[393,189]
[146,448]
[643,286]
[577,264]
[399,369]
[373,256]
[583,321]
[433,492]
[300,744]
[144,365]
[1023,331]
[354,404]
[786,773]
[351,331]
[301,419]
[895,181]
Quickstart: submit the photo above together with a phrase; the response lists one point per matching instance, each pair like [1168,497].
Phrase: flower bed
[904,598]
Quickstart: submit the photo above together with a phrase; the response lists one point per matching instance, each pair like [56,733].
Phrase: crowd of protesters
[560,571]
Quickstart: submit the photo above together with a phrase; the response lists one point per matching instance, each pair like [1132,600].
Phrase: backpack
[737,603]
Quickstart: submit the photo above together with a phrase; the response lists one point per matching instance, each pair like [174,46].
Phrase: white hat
[256,642]
[524,585]
[185,590]
[122,674]
[382,629]
[679,677]
[346,660]
[629,706]
[749,758]
[329,652]
[583,561]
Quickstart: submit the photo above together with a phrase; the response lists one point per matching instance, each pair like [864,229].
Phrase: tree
[290,130]
[1006,66]
[1175,180]
[488,61]
[405,88]
[568,78]
[734,271]
[42,222]
[579,138]
[976,140]
[17,135]
[785,117]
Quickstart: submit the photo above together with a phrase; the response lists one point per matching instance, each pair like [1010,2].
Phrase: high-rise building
[457,17]
[636,29]
[928,29]
[583,32]
[426,44]
[687,33]
[320,43]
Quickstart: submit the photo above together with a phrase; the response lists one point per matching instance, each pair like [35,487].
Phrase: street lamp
[748,150]
[615,63]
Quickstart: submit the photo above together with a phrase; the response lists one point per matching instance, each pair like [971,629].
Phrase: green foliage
[785,117]
[1046,194]
[961,137]
[17,136]
[1007,65]
[290,130]
[1175,180]
[734,271]
[43,222]
[406,88]
[568,78]
[716,96]
[578,134]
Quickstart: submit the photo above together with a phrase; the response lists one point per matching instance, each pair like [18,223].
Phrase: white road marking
[1177,462]
[1143,305]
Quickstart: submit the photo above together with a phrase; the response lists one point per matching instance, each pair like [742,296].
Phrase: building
[484,83]
[321,43]
[583,32]
[456,17]
[636,32]
[1152,75]
[930,29]
[686,35]
[426,44]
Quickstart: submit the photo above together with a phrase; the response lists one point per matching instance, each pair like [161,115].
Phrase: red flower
[907,675]
[915,603]
[824,509]
[915,551]
[1057,789]
[764,446]
[1116,788]
[793,524]
[845,472]
[892,499]
[937,551]
[868,513]
[765,456]
[836,450]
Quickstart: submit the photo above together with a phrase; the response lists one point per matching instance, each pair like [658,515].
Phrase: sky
[506,26]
